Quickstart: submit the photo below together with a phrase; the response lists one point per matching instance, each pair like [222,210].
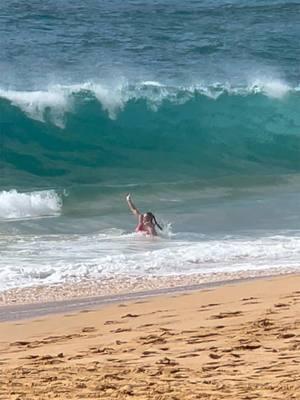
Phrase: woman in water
[146,222]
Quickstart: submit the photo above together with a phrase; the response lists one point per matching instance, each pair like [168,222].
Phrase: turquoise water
[192,107]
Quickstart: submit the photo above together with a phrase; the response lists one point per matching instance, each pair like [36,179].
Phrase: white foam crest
[16,205]
[112,99]
[274,88]
[156,92]
[271,87]
[52,102]
[213,90]
[152,83]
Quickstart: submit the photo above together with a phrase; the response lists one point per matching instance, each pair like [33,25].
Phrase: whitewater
[192,108]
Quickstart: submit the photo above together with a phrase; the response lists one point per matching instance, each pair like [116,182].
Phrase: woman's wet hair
[153,219]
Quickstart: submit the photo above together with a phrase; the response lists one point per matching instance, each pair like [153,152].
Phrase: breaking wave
[92,132]
[16,205]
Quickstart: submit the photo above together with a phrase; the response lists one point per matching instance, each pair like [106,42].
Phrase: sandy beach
[238,341]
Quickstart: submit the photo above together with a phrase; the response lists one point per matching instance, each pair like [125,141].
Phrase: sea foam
[16,205]
[49,259]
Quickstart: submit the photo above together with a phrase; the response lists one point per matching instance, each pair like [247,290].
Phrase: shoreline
[123,285]
[19,311]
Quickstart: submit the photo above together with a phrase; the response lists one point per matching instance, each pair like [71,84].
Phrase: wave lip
[54,102]
[36,104]
[16,205]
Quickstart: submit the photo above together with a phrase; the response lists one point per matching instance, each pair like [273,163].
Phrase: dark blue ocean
[192,107]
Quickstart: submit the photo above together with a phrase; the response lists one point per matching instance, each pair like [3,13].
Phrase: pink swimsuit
[146,229]
[141,227]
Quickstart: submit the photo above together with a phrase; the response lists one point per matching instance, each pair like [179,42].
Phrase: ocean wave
[36,104]
[91,133]
[54,102]
[15,205]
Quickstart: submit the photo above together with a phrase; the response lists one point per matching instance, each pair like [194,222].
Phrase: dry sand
[234,342]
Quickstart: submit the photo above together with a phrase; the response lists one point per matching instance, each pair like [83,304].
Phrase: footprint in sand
[201,338]
[148,353]
[120,342]
[281,305]
[286,335]
[166,331]
[166,361]
[88,329]
[104,350]
[20,343]
[265,323]
[164,348]
[205,306]
[229,314]
[249,298]
[120,330]
[112,322]
[152,339]
[249,346]
[145,326]
[215,356]
[31,357]
[48,359]
[189,355]
[130,316]
[188,331]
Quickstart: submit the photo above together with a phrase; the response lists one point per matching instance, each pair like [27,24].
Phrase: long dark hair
[153,220]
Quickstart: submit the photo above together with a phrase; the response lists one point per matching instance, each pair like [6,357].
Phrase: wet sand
[238,341]
[122,285]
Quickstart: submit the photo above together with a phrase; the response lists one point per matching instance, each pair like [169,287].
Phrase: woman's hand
[128,196]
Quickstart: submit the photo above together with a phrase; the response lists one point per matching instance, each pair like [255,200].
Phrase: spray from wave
[15,205]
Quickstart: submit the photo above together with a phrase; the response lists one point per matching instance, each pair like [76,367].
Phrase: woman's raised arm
[131,206]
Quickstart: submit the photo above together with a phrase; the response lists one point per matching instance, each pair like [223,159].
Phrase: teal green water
[165,133]
[193,107]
